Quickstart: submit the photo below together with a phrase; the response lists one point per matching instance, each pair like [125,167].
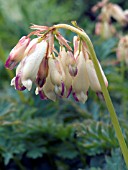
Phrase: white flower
[93,79]
[57,75]
[64,59]
[17,53]
[48,89]
[81,82]
[29,66]
[122,49]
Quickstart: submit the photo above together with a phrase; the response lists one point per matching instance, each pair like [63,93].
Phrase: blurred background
[62,135]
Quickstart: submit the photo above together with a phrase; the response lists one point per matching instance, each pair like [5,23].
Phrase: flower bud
[30,64]
[80,46]
[17,53]
[42,72]
[104,29]
[63,57]
[117,13]
[76,46]
[122,49]
[71,62]
[68,60]
[93,79]
[48,89]
[80,82]
[57,75]
[56,71]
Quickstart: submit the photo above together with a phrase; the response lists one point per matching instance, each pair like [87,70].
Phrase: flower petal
[27,83]
[38,27]
[42,95]
[69,91]
[48,89]
[18,84]
[42,72]
[93,79]
[17,53]
[63,41]
[80,83]
[56,71]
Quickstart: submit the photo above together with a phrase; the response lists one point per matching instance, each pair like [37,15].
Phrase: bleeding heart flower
[54,76]
[93,79]
[42,72]
[29,66]
[47,91]
[64,59]
[17,53]
[117,13]
[81,83]
[122,49]
[57,75]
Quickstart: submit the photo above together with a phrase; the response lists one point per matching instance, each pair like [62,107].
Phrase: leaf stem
[107,98]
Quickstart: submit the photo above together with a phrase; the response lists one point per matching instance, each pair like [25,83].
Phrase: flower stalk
[106,95]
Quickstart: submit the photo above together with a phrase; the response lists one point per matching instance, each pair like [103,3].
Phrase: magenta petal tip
[69,91]
[62,92]
[18,87]
[10,64]
[42,95]
[75,97]
[100,95]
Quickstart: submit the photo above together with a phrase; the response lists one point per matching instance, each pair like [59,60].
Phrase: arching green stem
[107,98]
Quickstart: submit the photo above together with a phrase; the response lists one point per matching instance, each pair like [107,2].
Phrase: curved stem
[107,98]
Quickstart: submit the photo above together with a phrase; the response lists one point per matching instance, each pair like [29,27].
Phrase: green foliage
[62,134]
[115,162]
[104,51]
[97,137]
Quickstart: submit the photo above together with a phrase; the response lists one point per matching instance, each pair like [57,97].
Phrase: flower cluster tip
[56,74]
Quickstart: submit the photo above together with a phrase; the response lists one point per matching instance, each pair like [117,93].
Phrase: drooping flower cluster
[104,25]
[122,49]
[56,74]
